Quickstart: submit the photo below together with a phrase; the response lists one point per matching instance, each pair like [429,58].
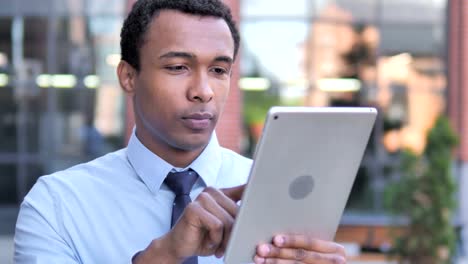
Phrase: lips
[198,121]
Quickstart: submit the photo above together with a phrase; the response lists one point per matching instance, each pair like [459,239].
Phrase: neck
[177,157]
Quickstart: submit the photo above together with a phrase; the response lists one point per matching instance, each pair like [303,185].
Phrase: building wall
[229,127]
[458,102]
[458,71]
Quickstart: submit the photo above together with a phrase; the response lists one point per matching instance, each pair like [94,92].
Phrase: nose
[200,89]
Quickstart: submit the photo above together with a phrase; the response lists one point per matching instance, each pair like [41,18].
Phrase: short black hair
[143,11]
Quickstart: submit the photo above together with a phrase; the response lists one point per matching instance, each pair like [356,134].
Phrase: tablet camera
[301,187]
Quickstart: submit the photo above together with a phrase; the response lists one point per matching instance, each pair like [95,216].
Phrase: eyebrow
[173,54]
[187,55]
[226,59]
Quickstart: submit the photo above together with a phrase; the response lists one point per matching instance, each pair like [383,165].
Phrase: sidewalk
[6,249]
[6,254]
[7,226]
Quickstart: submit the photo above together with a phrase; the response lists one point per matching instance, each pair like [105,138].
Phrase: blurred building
[60,102]
[405,57]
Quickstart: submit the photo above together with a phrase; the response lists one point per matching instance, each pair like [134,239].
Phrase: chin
[191,143]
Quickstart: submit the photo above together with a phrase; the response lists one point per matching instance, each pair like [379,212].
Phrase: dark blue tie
[181,183]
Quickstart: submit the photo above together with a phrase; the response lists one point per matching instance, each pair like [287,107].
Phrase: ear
[126,74]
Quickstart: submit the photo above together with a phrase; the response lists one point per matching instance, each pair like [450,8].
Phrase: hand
[205,226]
[202,230]
[295,249]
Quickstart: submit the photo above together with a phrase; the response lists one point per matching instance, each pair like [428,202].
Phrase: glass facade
[60,100]
[349,53]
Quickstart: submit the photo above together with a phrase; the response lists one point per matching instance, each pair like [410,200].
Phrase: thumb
[235,193]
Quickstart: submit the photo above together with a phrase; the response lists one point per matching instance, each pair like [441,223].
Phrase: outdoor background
[60,102]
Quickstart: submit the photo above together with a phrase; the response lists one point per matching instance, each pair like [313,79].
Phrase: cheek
[157,91]
[169,87]
[147,100]
[222,94]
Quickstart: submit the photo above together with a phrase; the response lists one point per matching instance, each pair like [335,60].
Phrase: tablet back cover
[304,167]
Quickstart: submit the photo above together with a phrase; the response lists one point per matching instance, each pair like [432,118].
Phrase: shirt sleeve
[37,237]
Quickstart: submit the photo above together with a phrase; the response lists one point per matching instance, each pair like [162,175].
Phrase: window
[349,53]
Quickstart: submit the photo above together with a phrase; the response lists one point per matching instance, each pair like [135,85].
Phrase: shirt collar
[153,170]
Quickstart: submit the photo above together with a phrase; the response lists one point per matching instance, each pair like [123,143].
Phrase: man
[177,57]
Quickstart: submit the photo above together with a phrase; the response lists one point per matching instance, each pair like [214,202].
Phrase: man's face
[184,79]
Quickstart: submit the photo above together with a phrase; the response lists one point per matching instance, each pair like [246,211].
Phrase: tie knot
[181,182]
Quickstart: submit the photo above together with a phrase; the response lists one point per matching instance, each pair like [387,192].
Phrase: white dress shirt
[108,209]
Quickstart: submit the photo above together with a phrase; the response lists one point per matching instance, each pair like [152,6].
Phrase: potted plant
[425,195]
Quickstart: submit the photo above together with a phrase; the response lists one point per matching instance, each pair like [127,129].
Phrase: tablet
[304,167]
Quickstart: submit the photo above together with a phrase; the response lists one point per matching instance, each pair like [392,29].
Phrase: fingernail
[219,254]
[279,240]
[264,250]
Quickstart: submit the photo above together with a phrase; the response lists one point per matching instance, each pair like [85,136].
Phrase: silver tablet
[304,167]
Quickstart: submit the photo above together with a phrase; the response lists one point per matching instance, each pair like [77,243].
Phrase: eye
[176,68]
[219,70]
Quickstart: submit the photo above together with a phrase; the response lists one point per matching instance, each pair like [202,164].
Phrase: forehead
[176,31]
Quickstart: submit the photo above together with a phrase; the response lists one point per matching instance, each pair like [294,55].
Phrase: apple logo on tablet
[301,187]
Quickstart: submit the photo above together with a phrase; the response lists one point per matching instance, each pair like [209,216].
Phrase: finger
[267,253]
[308,243]
[210,204]
[208,223]
[262,260]
[223,200]
[235,193]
